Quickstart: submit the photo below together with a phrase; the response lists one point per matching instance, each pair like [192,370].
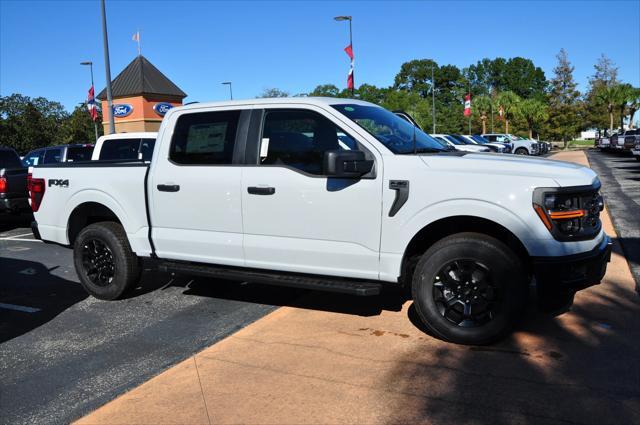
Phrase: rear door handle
[255,190]
[168,187]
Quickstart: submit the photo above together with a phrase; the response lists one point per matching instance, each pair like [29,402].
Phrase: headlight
[571,213]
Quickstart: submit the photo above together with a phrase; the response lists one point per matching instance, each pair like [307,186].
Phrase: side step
[294,280]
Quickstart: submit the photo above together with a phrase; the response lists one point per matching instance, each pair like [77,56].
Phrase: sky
[296,45]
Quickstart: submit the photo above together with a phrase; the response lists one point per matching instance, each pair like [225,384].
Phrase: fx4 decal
[59,182]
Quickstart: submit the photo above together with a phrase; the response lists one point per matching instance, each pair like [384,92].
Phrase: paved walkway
[335,359]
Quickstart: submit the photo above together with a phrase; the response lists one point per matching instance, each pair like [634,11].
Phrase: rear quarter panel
[119,188]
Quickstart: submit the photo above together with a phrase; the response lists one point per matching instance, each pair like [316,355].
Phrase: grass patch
[577,143]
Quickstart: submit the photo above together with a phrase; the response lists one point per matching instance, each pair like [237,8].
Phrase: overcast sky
[295,46]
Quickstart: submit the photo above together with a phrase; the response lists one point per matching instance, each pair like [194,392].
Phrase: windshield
[480,140]
[453,140]
[392,131]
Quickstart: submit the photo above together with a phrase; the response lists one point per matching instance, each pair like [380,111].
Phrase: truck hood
[563,173]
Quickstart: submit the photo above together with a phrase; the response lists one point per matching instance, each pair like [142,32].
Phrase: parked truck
[13,183]
[336,195]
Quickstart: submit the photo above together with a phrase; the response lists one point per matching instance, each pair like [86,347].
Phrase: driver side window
[299,139]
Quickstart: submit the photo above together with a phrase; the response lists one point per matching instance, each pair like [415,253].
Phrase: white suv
[520,146]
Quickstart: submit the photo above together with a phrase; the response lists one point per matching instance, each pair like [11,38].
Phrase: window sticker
[264,147]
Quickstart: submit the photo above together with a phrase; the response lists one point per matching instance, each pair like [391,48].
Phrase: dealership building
[141,97]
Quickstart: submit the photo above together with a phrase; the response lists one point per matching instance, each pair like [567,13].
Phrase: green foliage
[564,106]
[534,112]
[518,75]
[79,127]
[273,92]
[508,101]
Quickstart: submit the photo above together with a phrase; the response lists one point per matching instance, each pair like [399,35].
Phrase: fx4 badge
[59,182]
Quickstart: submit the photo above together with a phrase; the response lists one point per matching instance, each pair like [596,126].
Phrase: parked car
[459,145]
[61,153]
[631,138]
[636,150]
[494,147]
[14,198]
[263,190]
[616,142]
[520,146]
[125,146]
[508,146]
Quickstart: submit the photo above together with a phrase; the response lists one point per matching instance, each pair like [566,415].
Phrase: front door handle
[256,190]
[168,187]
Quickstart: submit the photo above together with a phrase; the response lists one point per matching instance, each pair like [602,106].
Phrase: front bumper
[572,272]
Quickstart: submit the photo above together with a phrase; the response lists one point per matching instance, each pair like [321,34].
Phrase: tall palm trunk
[621,117]
[506,126]
[632,112]
[484,124]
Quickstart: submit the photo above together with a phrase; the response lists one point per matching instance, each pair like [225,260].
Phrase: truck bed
[70,186]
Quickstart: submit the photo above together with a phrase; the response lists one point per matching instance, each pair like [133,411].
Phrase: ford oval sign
[122,110]
[162,108]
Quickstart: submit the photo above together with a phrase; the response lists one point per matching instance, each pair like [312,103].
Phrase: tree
[325,90]
[518,75]
[622,93]
[599,100]
[79,128]
[607,96]
[634,104]
[533,112]
[564,101]
[507,101]
[273,92]
[482,106]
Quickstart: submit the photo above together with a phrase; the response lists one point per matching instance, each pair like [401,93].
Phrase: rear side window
[52,156]
[120,149]
[9,159]
[204,138]
[33,158]
[79,153]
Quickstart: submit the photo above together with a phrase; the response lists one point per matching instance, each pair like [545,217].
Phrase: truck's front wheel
[105,264]
[469,288]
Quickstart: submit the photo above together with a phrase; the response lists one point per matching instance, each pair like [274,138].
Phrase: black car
[14,197]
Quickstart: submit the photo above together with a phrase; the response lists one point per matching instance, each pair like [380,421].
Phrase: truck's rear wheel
[105,264]
[469,288]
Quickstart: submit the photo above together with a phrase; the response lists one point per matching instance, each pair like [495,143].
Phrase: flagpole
[469,107]
[353,71]
[433,100]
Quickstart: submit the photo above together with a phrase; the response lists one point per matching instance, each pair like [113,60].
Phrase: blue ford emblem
[162,108]
[122,110]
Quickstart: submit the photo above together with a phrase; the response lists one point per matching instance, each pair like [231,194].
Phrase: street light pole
[349,18]
[433,100]
[107,66]
[228,83]
[95,124]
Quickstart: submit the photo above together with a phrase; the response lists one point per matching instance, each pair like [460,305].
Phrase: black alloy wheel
[98,263]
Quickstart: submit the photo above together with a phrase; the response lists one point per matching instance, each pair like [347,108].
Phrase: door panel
[196,213]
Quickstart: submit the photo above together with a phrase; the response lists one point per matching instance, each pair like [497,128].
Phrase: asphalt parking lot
[620,176]
[63,354]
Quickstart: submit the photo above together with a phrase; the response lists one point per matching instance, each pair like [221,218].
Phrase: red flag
[467,105]
[91,105]
[349,51]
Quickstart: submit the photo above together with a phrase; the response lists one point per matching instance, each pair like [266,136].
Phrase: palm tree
[607,95]
[634,104]
[533,111]
[482,106]
[508,101]
[622,94]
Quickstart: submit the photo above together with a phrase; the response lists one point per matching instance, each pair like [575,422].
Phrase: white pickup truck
[332,194]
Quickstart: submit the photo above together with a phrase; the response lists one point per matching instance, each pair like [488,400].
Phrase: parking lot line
[17,236]
[21,308]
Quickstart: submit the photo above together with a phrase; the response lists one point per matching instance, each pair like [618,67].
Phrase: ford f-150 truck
[337,195]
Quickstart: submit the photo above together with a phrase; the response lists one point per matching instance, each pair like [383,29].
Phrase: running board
[293,280]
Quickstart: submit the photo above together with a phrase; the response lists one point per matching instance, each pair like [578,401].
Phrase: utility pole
[433,100]
[95,124]
[353,79]
[107,66]
[469,105]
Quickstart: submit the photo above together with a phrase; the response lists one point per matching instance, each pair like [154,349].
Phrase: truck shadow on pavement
[581,367]
[34,296]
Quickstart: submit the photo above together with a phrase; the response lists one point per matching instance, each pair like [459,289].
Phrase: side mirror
[346,164]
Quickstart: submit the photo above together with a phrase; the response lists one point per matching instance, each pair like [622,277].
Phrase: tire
[521,151]
[106,245]
[637,157]
[500,287]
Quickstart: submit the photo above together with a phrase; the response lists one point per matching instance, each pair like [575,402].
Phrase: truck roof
[318,101]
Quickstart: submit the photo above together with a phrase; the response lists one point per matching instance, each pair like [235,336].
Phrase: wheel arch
[448,226]
[88,213]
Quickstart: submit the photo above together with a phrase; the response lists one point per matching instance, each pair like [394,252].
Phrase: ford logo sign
[122,110]
[162,108]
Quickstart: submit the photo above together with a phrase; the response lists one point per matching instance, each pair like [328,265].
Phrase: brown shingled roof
[141,77]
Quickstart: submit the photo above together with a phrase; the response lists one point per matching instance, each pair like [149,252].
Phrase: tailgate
[16,183]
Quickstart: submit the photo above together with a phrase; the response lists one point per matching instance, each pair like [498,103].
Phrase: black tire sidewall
[504,268]
[106,235]
[521,151]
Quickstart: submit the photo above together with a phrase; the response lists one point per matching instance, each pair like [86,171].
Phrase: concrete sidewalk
[334,359]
